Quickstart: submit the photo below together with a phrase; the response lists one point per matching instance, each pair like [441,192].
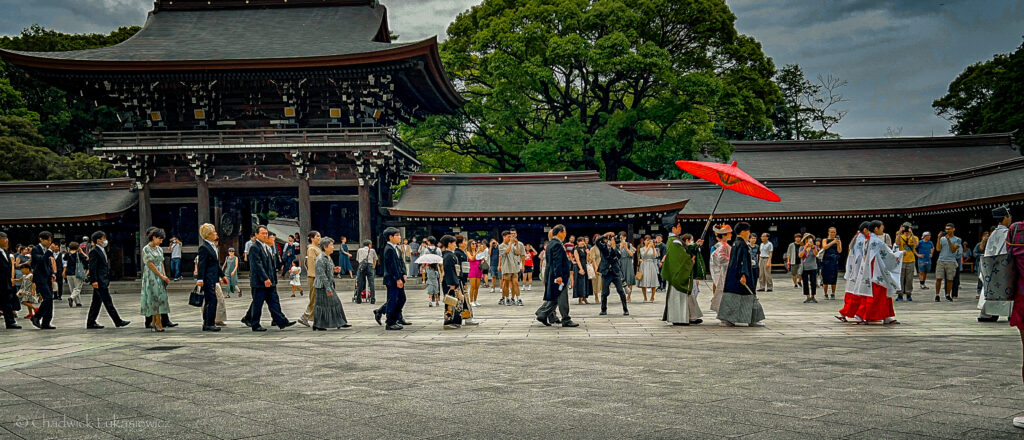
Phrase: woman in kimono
[648,268]
[1015,246]
[739,302]
[626,267]
[328,311]
[581,284]
[881,269]
[856,294]
[996,272]
[720,263]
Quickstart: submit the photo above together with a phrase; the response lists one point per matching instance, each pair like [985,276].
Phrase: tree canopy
[44,133]
[988,97]
[624,87]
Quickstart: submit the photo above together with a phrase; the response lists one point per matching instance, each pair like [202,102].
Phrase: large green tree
[621,86]
[988,97]
[44,133]
[65,123]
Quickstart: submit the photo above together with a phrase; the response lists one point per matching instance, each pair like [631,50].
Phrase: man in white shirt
[366,259]
[764,264]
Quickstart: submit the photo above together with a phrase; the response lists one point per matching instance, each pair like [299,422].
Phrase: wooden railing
[261,136]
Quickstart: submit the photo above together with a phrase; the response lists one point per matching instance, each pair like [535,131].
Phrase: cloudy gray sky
[897,55]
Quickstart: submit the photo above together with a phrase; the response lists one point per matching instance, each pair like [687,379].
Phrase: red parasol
[728,176]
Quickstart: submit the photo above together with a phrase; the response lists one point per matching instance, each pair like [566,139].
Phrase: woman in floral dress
[154,282]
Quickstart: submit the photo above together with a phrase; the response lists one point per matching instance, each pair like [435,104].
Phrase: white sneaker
[492,290]
[1018,422]
[304,321]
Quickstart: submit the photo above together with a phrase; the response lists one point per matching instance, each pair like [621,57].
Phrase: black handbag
[196,297]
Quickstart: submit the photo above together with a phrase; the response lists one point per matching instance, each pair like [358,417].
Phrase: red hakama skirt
[878,306]
[1017,313]
[851,305]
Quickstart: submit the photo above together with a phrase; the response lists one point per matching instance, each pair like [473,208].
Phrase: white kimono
[719,265]
[879,265]
[853,263]
[996,276]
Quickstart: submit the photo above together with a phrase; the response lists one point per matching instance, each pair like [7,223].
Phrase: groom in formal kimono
[680,305]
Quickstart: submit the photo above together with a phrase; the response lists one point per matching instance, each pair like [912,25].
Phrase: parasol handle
[708,224]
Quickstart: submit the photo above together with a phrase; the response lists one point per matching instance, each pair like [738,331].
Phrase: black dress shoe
[318,329]
[681,323]
[625,313]
[93,326]
[696,321]
[259,329]
[988,319]
[122,324]
[35,323]
[373,300]
[286,325]
[48,327]
[556,321]
[345,326]
[569,323]
[14,327]
[404,322]
[544,321]
[211,328]
[246,323]
[71,303]
[377,314]
[171,324]
[603,312]
[394,327]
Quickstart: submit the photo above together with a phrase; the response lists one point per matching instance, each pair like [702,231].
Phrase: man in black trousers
[556,281]
[8,298]
[609,269]
[42,276]
[263,281]
[99,276]
[208,274]
[394,280]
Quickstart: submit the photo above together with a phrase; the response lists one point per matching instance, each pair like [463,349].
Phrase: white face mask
[104,243]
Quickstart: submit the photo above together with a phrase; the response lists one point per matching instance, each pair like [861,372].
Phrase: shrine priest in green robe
[680,304]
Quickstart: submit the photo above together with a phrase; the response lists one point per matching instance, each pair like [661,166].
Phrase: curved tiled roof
[556,194]
[64,201]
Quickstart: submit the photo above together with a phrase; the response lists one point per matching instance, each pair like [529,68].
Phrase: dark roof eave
[668,207]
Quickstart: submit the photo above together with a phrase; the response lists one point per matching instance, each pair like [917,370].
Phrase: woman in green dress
[231,271]
[154,281]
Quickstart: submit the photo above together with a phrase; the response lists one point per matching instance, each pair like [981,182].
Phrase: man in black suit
[263,281]
[42,277]
[208,274]
[609,269]
[394,280]
[99,276]
[8,298]
[556,281]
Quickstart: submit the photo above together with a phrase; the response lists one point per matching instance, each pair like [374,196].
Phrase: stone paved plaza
[938,375]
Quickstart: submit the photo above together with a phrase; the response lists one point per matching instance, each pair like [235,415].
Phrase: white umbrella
[429,259]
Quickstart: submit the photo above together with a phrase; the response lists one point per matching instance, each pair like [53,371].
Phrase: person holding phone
[907,242]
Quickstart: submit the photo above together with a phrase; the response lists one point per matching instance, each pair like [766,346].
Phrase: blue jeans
[175,267]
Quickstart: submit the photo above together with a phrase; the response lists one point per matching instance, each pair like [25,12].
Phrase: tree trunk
[611,169]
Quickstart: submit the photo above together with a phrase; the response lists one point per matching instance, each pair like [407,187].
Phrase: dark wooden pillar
[145,217]
[364,213]
[203,197]
[305,218]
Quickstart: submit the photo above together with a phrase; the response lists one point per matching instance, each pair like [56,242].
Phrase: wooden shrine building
[241,112]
